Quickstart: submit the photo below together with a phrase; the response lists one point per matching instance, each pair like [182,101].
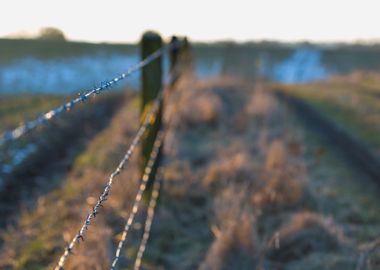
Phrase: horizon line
[358,41]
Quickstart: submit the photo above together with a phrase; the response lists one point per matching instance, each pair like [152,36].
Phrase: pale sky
[201,20]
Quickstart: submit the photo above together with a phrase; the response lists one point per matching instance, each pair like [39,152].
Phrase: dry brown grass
[247,181]
[197,106]
[260,105]
[283,180]
[236,193]
[276,156]
[234,247]
[228,169]
[43,233]
[305,233]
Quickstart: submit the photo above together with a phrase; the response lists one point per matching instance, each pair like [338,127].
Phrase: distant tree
[51,33]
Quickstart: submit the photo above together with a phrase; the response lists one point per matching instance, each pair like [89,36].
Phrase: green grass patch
[11,49]
[14,110]
[349,105]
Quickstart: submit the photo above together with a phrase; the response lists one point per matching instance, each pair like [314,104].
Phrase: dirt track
[357,153]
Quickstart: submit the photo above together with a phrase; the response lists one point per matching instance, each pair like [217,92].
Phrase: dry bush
[236,240]
[283,180]
[197,106]
[261,105]
[230,203]
[229,168]
[279,192]
[276,156]
[235,245]
[305,233]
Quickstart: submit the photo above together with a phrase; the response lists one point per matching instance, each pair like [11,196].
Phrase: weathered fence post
[151,84]
[174,54]
[186,57]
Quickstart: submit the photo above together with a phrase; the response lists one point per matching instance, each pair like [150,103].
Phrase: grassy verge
[241,191]
[42,232]
[353,105]
[12,49]
[16,109]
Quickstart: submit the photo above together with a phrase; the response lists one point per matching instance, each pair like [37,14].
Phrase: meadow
[247,184]
[64,68]
[352,102]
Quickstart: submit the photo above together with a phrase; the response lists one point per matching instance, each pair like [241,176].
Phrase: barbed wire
[83,97]
[148,222]
[153,200]
[155,192]
[148,120]
[144,180]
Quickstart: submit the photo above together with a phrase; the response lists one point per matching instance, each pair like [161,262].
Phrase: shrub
[305,233]
[235,246]
[51,33]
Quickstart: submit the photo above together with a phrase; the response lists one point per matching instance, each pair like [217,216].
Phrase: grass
[14,110]
[354,105]
[243,189]
[241,59]
[47,226]
[12,49]
[257,183]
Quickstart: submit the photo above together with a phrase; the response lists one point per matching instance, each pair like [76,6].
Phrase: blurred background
[272,159]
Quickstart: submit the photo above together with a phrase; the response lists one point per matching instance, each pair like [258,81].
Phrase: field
[50,67]
[353,102]
[250,180]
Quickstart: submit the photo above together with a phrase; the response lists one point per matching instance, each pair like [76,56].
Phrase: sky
[200,20]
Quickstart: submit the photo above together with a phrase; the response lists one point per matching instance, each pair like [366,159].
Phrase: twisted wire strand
[152,204]
[83,97]
[144,180]
[148,121]
[173,75]
[148,222]
[154,197]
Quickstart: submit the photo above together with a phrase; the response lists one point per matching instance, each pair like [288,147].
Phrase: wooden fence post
[186,57]
[174,54]
[151,84]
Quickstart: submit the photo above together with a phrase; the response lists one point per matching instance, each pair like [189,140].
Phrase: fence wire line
[83,97]
[149,119]
[144,180]
[148,222]
[173,75]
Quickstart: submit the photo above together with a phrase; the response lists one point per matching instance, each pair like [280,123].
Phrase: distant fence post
[174,54]
[151,84]
[186,57]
